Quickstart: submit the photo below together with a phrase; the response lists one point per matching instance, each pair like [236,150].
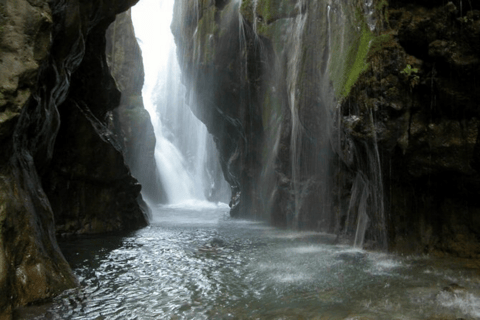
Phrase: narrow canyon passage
[198,263]
[195,262]
[240,159]
[185,154]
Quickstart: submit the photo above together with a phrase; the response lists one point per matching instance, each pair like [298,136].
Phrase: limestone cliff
[343,116]
[59,161]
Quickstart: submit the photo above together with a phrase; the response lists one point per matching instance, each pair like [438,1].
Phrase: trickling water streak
[297,128]
[378,192]
[369,14]
[362,220]
[295,148]
[367,195]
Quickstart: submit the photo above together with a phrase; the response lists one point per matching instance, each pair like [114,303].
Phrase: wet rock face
[442,157]
[87,181]
[55,97]
[131,122]
[328,112]
[421,89]
[216,59]
[256,110]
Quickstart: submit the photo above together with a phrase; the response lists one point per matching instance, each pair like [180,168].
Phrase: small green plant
[409,70]
[465,19]
[411,74]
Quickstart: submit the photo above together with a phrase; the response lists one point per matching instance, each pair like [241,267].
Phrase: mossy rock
[351,52]
[206,32]
[271,11]
[268,11]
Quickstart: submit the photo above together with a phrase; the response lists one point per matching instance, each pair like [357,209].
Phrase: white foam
[295,234]
[197,205]
[290,277]
[309,249]
[467,303]
[387,264]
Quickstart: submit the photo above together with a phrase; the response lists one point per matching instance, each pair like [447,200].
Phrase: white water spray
[182,140]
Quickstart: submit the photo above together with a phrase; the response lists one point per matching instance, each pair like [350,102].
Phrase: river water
[195,262]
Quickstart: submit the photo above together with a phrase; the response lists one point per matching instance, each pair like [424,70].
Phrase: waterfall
[184,148]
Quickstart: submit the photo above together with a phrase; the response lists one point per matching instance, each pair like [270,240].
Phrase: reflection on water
[200,264]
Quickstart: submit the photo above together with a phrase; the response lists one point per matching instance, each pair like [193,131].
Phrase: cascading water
[184,148]
[197,263]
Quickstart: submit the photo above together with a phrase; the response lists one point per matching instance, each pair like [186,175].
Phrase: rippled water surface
[194,262]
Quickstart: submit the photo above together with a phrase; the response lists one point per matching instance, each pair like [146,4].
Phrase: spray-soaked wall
[261,75]
[130,121]
[327,113]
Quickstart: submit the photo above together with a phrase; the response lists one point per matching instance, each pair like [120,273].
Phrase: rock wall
[353,117]
[131,122]
[426,100]
[59,162]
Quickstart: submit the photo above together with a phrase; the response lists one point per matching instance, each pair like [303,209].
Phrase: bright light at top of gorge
[151,20]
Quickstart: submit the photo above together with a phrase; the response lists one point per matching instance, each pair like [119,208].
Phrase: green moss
[354,62]
[351,49]
[276,32]
[378,43]
[246,9]
[382,5]
[268,10]
[359,64]
[207,28]
[264,9]
[271,10]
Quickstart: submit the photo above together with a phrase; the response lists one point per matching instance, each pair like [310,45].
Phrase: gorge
[355,122]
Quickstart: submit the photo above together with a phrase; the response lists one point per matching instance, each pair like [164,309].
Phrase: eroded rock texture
[331,115]
[59,162]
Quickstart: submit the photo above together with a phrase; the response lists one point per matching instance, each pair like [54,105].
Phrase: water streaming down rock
[315,109]
[417,73]
[185,153]
[285,138]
